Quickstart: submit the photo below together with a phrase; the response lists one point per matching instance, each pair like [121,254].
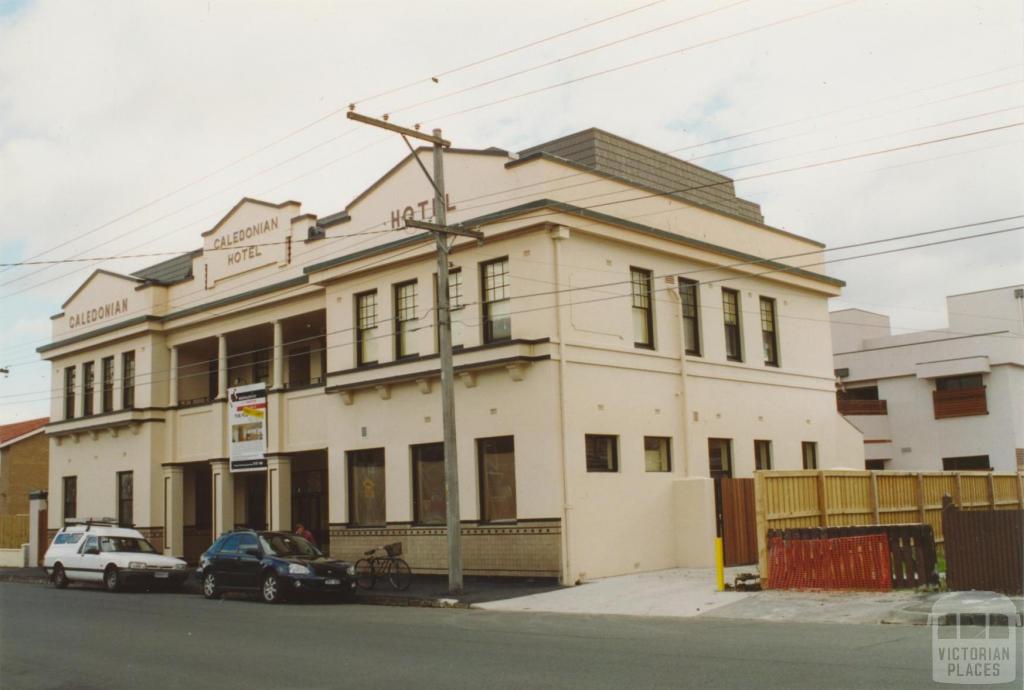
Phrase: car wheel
[112,579]
[270,589]
[210,590]
[59,577]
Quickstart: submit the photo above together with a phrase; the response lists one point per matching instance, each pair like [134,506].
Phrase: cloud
[107,105]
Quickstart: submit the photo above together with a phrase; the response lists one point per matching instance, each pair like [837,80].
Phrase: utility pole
[440,230]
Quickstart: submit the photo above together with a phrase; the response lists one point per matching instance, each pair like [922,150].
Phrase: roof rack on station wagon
[89,522]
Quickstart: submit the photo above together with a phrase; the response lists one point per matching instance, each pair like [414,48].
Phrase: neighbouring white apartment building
[619,343]
[949,399]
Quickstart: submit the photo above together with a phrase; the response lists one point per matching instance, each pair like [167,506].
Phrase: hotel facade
[622,337]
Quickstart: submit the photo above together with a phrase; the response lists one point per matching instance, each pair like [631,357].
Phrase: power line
[753,176]
[714,281]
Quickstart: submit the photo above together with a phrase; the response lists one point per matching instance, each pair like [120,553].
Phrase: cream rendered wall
[96,462]
[495,406]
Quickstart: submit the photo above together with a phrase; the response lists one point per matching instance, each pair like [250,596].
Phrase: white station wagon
[98,551]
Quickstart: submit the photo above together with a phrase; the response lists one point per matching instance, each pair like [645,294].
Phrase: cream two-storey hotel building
[624,333]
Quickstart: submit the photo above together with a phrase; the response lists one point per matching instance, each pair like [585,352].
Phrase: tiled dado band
[523,549]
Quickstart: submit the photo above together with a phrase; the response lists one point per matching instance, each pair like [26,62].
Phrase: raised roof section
[613,155]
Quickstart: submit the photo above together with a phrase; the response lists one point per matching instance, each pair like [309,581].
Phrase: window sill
[734,359]
[643,346]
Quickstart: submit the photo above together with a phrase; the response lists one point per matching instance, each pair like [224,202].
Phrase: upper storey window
[366,328]
[643,311]
[731,314]
[70,376]
[496,296]
[769,332]
[405,319]
[691,315]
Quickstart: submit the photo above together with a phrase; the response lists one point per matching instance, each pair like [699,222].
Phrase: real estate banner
[247,427]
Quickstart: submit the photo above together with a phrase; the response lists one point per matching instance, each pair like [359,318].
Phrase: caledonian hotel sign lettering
[106,311]
[244,235]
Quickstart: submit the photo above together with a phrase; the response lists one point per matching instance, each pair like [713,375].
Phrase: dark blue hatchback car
[274,565]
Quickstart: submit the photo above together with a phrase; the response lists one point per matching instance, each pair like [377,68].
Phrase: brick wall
[531,549]
[24,467]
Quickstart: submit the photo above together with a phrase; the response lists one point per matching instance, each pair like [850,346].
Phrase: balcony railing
[966,402]
[865,407]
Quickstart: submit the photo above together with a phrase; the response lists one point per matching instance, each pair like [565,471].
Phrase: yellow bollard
[719,565]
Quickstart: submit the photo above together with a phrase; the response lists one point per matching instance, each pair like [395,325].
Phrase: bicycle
[396,570]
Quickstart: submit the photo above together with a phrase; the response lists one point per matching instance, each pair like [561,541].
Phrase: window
[366,487]
[731,314]
[456,303]
[959,396]
[657,454]
[70,497]
[366,328]
[643,313]
[108,384]
[88,387]
[810,453]
[958,383]
[69,392]
[966,463]
[769,332]
[230,545]
[720,457]
[691,315]
[762,455]
[428,495]
[405,319]
[496,299]
[125,493]
[602,453]
[128,380]
[497,471]
[875,464]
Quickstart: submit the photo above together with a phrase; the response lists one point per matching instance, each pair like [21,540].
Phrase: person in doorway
[300,530]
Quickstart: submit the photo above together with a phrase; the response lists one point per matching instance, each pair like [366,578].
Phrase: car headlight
[180,566]
[296,569]
[351,571]
[137,565]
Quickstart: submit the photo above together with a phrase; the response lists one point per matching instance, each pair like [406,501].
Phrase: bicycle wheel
[399,574]
[366,576]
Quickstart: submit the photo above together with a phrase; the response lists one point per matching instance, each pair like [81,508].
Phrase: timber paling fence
[13,531]
[840,498]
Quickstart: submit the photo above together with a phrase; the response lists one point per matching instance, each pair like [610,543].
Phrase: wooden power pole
[441,230]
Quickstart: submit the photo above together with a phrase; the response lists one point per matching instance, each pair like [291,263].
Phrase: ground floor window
[810,453]
[720,457]
[967,462]
[657,454]
[70,497]
[762,455]
[366,487]
[125,495]
[497,470]
[429,506]
[602,453]
[875,464]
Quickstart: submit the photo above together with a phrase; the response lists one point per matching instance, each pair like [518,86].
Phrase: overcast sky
[113,115]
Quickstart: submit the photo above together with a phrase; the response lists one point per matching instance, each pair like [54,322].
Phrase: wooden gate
[984,549]
[738,516]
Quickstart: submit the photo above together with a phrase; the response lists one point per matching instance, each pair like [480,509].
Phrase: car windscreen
[287,545]
[125,545]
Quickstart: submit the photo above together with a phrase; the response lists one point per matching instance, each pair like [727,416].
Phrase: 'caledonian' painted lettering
[88,316]
[243,235]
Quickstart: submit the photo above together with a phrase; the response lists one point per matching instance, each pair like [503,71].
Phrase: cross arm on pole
[447,229]
[415,134]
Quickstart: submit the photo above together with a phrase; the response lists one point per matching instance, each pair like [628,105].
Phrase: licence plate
[160,576]
[330,582]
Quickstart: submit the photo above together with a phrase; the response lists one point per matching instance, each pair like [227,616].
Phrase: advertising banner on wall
[247,427]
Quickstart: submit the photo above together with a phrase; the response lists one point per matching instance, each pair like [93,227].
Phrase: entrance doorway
[309,495]
[253,491]
[735,515]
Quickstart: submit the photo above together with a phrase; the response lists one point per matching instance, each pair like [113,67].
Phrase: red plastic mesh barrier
[840,563]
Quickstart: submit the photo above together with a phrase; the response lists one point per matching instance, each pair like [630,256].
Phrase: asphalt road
[87,638]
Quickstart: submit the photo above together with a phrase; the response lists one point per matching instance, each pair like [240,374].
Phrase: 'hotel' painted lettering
[98,313]
[398,216]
